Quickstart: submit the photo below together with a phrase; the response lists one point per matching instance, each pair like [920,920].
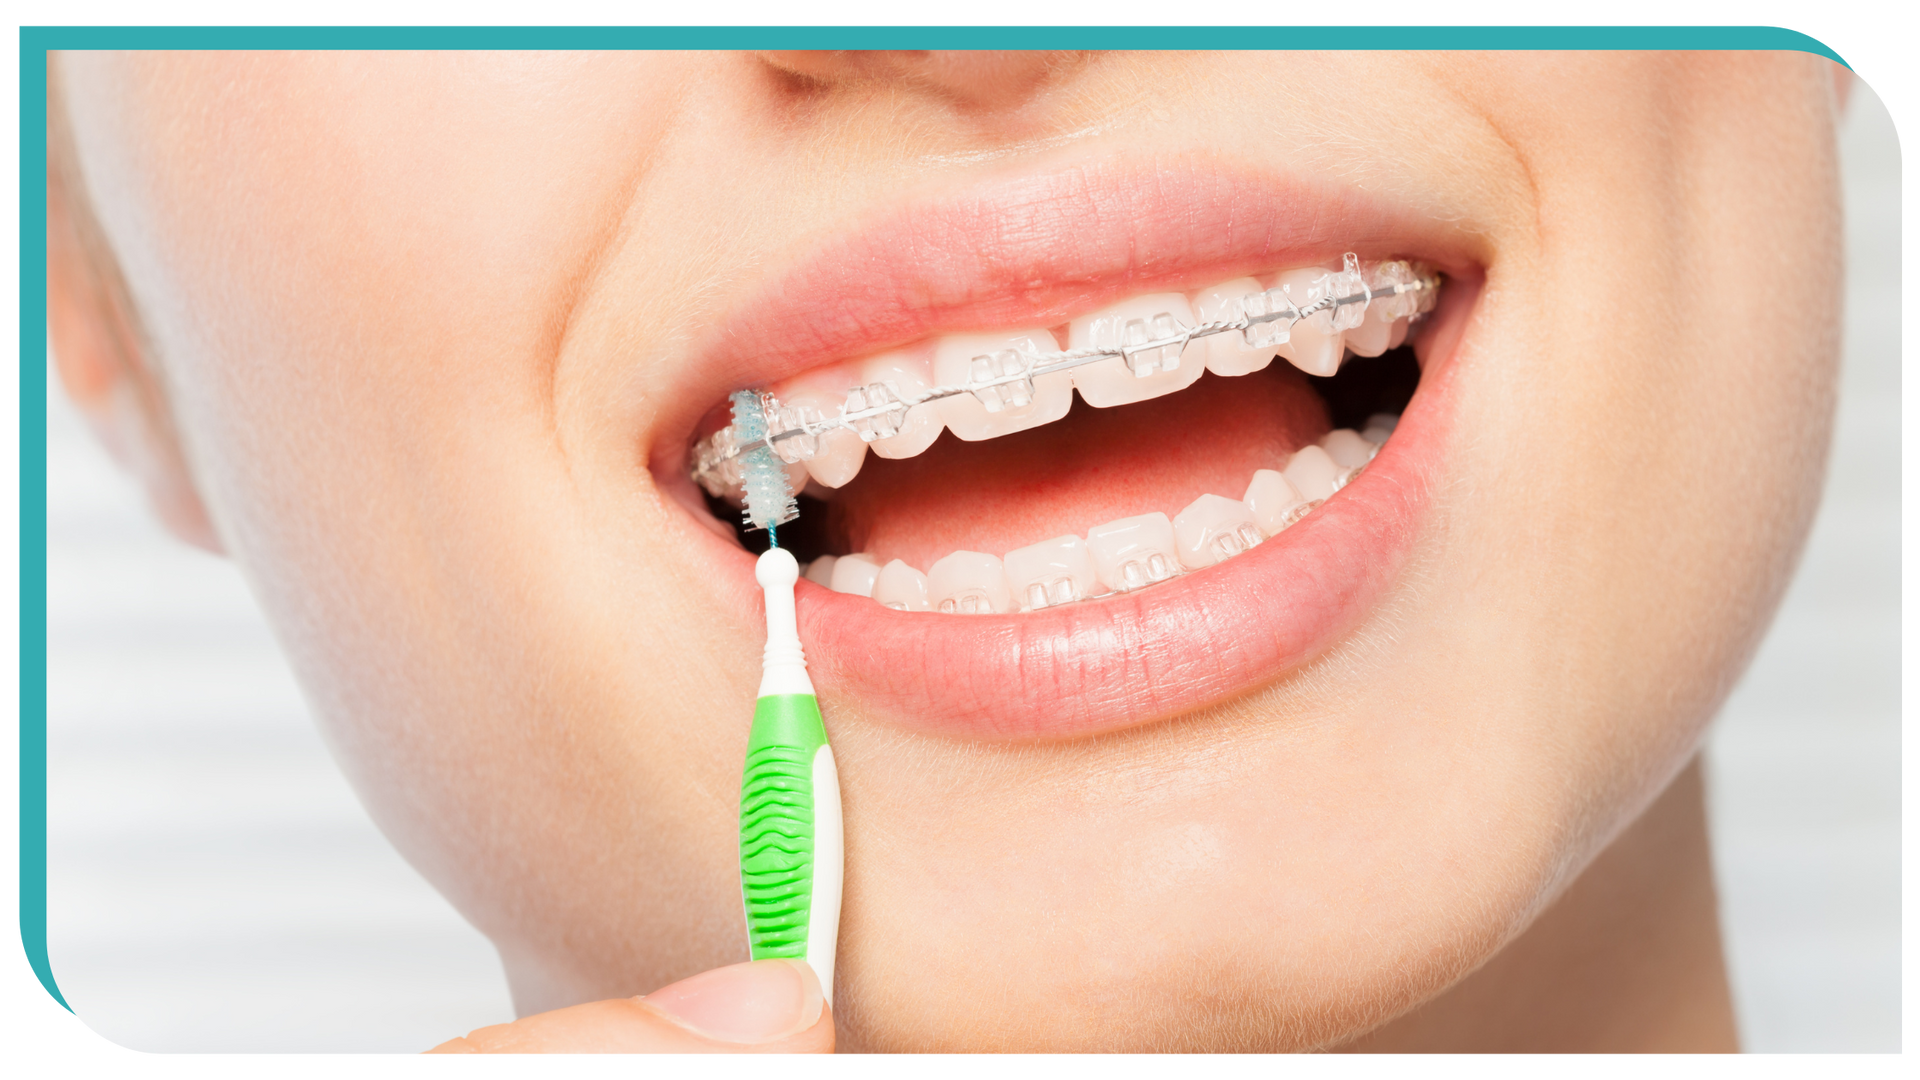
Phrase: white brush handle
[784,664]
[829,864]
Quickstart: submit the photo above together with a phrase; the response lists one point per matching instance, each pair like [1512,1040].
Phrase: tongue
[1091,467]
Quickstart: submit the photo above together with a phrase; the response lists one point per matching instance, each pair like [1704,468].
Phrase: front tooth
[1213,529]
[969,583]
[1002,410]
[1134,551]
[1057,571]
[1150,373]
[1313,474]
[1347,448]
[1229,353]
[820,571]
[1314,345]
[908,373]
[855,574]
[1275,503]
[901,588]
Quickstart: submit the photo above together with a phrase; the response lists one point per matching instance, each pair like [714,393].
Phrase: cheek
[1653,389]
[357,271]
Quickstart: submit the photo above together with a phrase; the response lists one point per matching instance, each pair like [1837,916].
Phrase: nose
[970,79]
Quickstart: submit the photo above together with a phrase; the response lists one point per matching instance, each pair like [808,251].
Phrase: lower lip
[1100,666]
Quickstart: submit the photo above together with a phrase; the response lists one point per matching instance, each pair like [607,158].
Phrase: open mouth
[1032,549]
[931,524]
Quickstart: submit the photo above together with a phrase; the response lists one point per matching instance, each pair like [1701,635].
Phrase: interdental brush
[791,847]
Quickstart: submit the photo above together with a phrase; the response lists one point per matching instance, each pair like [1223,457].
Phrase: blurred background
[214,886]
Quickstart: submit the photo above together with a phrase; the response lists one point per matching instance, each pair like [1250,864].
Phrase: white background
[214,886]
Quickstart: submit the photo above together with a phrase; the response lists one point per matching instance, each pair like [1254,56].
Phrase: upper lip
[1031,250]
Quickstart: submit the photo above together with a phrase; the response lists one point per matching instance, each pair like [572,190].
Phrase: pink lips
[1030,251]
[1170,648]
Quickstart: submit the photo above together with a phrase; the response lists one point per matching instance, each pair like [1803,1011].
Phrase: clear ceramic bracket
[1390,290]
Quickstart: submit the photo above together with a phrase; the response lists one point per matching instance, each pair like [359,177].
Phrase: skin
[382,328]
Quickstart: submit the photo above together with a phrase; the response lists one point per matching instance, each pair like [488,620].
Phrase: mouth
[1004,543]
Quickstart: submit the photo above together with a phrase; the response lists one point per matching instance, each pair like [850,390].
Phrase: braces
[1004,379]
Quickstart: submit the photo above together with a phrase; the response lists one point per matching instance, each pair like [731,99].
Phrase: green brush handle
[790,835]
[790,842]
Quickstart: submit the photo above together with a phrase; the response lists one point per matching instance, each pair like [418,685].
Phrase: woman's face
[436,332]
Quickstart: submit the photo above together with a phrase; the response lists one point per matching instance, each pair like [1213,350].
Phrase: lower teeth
[1120,556]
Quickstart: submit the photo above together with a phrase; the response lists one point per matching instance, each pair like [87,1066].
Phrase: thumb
[765,1006]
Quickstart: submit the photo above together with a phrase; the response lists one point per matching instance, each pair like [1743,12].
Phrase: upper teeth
[980,386]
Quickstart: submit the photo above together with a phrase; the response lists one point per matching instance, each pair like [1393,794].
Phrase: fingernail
[746,1003]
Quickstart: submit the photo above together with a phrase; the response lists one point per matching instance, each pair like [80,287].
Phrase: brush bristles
[763,476]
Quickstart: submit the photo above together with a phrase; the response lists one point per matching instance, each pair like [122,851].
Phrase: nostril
[987,80]
[972,79]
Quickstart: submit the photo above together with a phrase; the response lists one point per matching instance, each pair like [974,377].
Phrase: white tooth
[1379,427]
[1213,529]
[909,373]
[1371,337]
[901,587]
[820,571]
[1347,448]
[1399,335]
[1313,474]
[1314,345]
[1134,551]
[1057,571]
[1015,408]
[855,574]
[1275,503]
[969,583]
[839,458]
[1229,354]
[1105,383]
[837,454]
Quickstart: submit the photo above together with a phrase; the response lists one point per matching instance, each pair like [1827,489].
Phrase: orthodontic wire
[709,456]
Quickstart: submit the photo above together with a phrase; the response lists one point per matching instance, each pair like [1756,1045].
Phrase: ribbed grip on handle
[778,824]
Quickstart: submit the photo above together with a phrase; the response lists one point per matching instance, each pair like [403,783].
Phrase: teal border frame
[37,41]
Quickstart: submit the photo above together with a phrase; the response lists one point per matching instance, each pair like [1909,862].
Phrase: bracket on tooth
[1150,345]
[716,462]
[1002,380]
[1350,293]
[1394,290]
[796,430]
[876,411]
[1269,317]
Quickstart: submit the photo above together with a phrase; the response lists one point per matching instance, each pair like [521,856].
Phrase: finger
[766,1006]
